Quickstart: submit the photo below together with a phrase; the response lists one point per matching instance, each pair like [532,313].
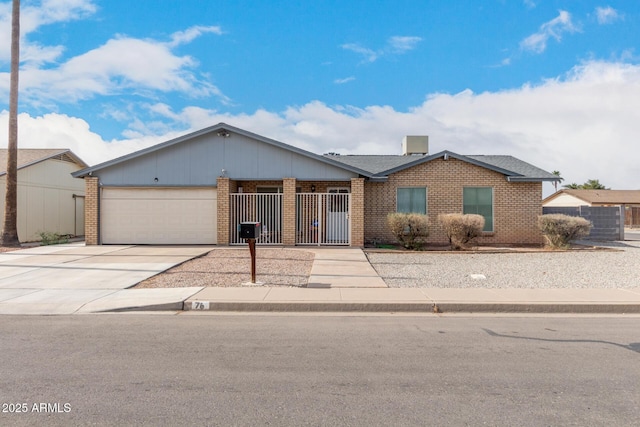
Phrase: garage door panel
[159,216]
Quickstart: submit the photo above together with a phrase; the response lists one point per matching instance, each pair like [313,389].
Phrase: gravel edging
[232,267]
[581,269]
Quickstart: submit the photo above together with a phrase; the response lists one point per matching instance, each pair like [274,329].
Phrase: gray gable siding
[200,160]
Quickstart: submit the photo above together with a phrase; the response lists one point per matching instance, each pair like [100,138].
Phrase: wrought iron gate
[256,207]
[323,219]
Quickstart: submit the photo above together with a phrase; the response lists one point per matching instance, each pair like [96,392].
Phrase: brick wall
[289,211]
[225,187]
[357,212]
[516,205]
[91,203]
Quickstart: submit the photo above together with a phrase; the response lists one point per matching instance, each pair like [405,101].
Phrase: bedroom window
[479,200]
[411,200]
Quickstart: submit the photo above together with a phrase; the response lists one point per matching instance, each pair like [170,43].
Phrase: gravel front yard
[615,268]
[232,267]
[618,268]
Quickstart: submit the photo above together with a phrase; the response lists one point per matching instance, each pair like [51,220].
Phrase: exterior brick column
[289,211]
[224,188]
[91,206]
[357,212]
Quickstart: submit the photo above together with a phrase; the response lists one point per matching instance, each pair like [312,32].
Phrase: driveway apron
[62,279]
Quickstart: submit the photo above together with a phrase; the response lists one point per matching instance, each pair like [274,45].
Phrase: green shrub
[49,238]
[560,230]
[461,229]
[410,229]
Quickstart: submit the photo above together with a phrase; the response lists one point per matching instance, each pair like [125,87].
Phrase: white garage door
[159,216]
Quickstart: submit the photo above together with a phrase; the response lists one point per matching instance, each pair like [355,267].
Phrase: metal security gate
[263,208]
[323,219]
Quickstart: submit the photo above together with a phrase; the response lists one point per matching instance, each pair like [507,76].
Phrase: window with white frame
[479,200]
[411,200]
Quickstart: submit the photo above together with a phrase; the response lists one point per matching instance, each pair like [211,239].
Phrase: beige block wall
[45,200]
[516,205]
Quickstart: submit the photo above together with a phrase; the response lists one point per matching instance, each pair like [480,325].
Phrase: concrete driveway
[75,278]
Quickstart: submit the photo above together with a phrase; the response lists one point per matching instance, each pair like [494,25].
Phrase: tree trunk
[10,230]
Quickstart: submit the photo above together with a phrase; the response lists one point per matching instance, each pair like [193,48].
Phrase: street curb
[169,306]
[414,307]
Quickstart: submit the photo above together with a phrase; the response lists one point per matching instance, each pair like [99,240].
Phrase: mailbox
[249,230]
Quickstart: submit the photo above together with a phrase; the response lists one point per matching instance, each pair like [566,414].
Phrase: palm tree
[555,183]
[591,184]
[10,230]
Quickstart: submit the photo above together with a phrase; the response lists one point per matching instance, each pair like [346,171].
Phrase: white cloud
[395,45]
[369,54]
[582,124]
[607,15]
[344,80]
[35,15]
[402,44]
[559,25]
[183,37]
[121,64]
[530,4]
[62,131]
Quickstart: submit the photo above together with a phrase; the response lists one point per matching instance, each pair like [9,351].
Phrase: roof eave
[66,151]
[530,179]
[446,154]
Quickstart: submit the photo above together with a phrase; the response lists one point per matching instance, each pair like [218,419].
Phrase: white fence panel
[253,207]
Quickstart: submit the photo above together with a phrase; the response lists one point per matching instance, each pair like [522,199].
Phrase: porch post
[289,211]
[91,210]
[357,212]
[223,211]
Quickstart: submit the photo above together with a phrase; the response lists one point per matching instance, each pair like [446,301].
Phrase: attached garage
[158,216]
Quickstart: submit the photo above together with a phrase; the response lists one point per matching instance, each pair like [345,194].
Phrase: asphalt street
[199,369]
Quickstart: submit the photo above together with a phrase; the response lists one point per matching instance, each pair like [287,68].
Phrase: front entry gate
[323,218]
[257,207]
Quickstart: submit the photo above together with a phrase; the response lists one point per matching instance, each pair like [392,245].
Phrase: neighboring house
[628,200]
[196,189]
[49,198]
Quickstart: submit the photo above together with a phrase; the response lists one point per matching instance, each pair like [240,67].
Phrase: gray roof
[374,164]
[373,167]
[381,166]
[517,166]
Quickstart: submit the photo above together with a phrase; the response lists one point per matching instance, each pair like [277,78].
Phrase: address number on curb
[199,305]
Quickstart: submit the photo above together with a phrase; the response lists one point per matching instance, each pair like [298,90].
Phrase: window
[479,200]
[411,200]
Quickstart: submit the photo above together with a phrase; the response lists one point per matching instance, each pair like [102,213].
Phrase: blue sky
[555,83]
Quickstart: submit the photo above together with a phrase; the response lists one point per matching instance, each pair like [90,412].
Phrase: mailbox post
[250,231]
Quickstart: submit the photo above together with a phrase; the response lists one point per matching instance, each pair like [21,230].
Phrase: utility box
[249,230]
[415,144]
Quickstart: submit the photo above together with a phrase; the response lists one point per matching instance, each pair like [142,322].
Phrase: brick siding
[91,203]
[516,206]
[357,211]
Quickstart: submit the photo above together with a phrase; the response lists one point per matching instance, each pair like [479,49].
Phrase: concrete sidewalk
[419,300]
[74,279]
